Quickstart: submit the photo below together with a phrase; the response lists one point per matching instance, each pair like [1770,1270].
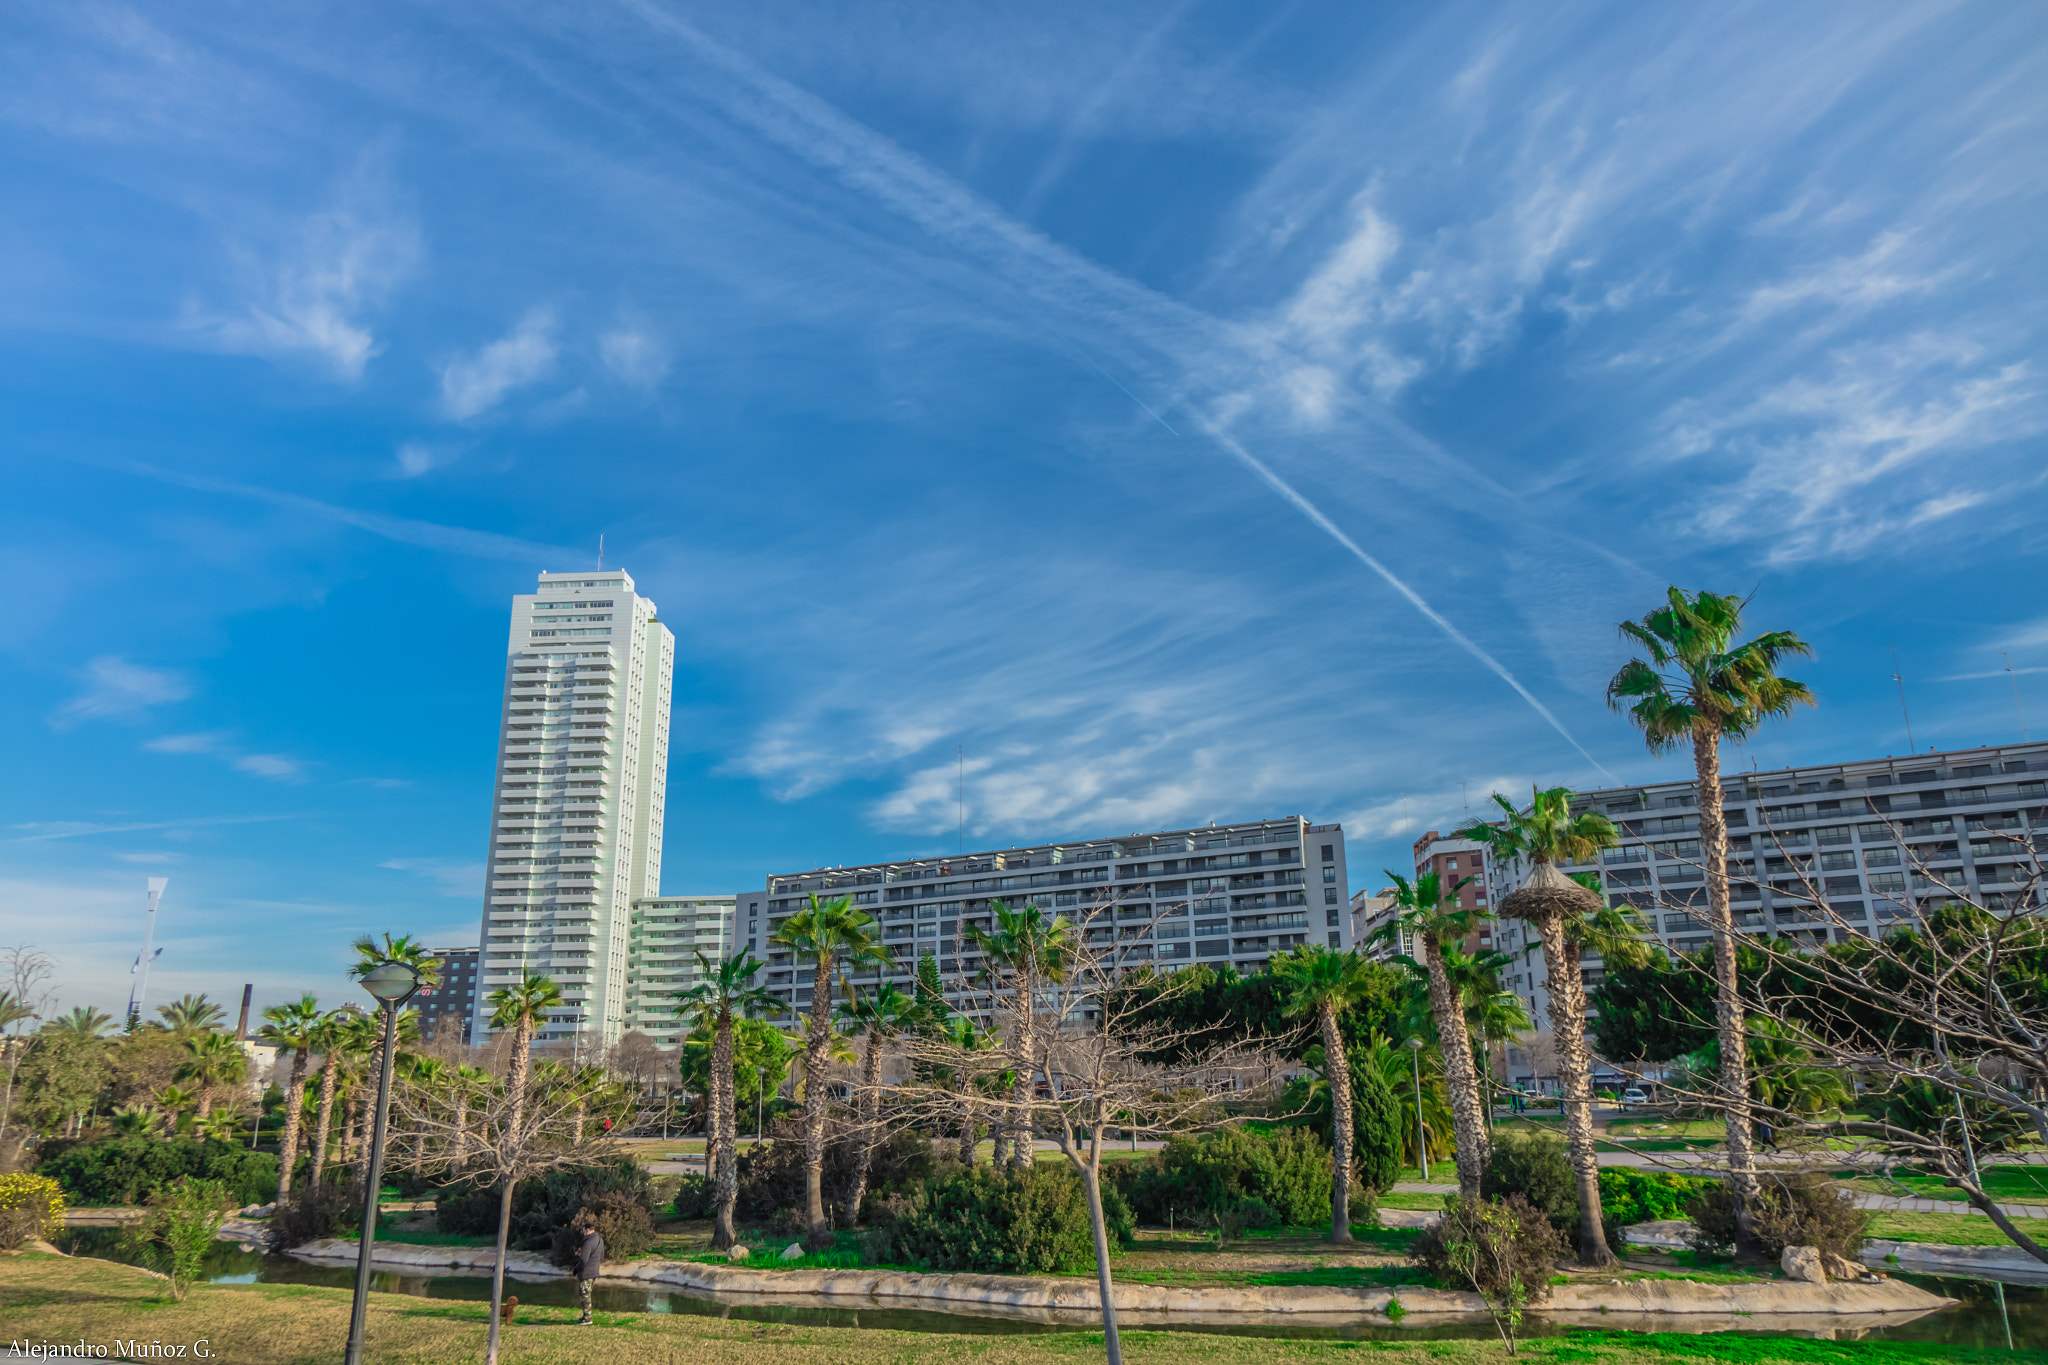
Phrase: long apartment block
[1975,820]
[577,810]
[1224,893]
[665,937]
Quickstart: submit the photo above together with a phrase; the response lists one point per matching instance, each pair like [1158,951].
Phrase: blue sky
[1193,411]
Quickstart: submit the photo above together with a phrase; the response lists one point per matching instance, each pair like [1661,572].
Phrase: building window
[1329,895]
[1329,853]
[1329,874]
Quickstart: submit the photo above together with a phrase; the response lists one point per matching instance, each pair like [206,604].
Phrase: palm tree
[521,1007]
[1323,984]
[291,1027]
[1696,687]
[174,1101]
[190,1014]
[1036,949]
[339,1033]
[1405,1071]
[1431,912]
[469,1082]
[875,1018]
[133,1120]
[1548,901]
[725,992]
[220,1127]
[83,1020]
[828,933]
[211,1060]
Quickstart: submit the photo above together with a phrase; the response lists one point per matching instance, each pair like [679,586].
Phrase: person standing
[589,1259]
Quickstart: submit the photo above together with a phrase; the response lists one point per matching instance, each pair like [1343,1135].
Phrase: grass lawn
[57,1299]
[1958,1229]
[2006,1184]
[1403,1199]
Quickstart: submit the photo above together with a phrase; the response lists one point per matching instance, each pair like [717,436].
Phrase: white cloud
[454,878]
[1842,460]
[473,385]
[278,766]
[634,356]
[118,690]
[150,857]
[209,743]
[310,297]
[417,457]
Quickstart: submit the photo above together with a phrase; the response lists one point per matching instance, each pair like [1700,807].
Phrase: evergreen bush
[622,1220]
[1033,1221]
[1536,1166]
[1629,1195]
[1803,1209]
[1192,1179]
[30,1206]
[128,1170]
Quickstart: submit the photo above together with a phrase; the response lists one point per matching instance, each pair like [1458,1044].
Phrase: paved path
[1879,1203]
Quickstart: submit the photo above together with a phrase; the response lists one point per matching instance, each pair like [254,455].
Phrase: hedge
[127,1170]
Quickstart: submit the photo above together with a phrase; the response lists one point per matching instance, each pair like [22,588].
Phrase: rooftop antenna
[1465,798]
[141,968]
[960,801]
[2014,679]
[1910,745]
[600,552]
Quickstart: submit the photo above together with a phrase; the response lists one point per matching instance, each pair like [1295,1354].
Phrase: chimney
[242,1027]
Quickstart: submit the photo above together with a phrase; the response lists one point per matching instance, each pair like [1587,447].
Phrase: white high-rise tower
[582,771]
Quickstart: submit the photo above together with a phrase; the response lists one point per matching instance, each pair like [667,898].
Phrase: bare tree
[1935,1007]
[24,1000]
[487,1130]
[1085,1062]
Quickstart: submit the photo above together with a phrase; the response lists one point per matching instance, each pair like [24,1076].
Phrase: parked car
[1633,1097]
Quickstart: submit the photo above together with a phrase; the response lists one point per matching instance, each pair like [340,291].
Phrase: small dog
[505,1309]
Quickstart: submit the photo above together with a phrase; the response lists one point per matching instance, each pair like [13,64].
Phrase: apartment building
[453,1003]
[1369,914]
[1855,830]
[1225,893]
[577,809]
[1456,860]
[663,939]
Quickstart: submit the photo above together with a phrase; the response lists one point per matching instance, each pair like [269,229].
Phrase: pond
[1973,1322]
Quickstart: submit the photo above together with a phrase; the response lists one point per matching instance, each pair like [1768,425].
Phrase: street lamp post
[1421,1134]
[392,983]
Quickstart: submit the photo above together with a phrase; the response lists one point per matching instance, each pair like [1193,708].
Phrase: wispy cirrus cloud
[119,690]
[453,876]
[277,767]
[472,385]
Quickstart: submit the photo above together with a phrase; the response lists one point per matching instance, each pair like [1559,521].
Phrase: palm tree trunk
[1454,1045]
[816,1055]
[1728,1013]
[966,1131]
[461,1125]
[1574,1068]
[870,1114]
[522,1067]
[1338,1068]
[288,1144]
[1021,1089]
[329,1065]
[725,1179]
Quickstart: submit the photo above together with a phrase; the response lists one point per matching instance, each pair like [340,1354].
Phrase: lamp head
[1415,1044]
[390,981]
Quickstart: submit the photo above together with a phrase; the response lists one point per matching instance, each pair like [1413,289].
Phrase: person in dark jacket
[589,1257]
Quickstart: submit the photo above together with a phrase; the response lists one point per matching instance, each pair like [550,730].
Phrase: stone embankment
[1036,1295]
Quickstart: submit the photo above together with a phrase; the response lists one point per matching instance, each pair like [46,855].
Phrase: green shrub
[1804,1209]
[1034,1221]
[1505,1249]
[328,1208]
[179,1231]
[1629,1195]
[1377,1136]
[128,1170]
[540,1207]
[623,1222]
[693,1198]
[30,1206]
[1537,1167]
[772,1175]
[1192,1179]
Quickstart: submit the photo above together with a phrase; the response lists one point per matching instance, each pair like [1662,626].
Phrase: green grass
[2006,1184]
[1956,1229]
[1403,1199]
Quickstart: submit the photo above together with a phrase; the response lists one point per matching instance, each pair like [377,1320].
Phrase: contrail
[864,160]
[1435,617]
